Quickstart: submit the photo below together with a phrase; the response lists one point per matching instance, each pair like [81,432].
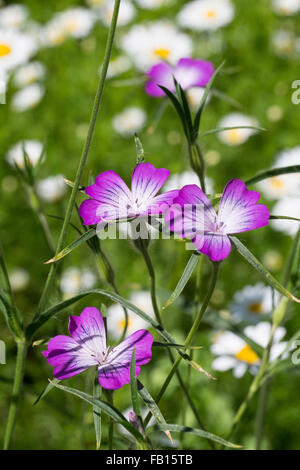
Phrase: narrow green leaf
[196,432]
[46,390]
[153,408]
[97,390]
[188,271]
[261,269]
[185,107]
[284,217]
[71,184]
[157,344]
[178,108]
[108,409]
[221,129]
[83,238]
[203,101]
[273,172]
[133,386]
[224,97]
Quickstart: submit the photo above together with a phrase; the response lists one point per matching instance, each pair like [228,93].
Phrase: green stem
[191,334]
[261,411]
[17,387]
[197,162]
[110,400]
[84,155]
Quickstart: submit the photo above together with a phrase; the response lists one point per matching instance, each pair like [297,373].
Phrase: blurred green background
[256,77]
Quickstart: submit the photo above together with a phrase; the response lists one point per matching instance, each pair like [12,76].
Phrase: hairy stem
[17,387]
[85,151]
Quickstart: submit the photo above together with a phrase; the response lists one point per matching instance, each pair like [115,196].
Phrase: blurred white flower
[74,280]
[74,22]
[33,149]
[252,302]
[286,7]
[126,12]
[13,16]
[194,96]
[51,189]
[150,43]
[19,279]
[236,136]
[178,180]
[117,66]
[284,42]
[281,186]
[234,353]
[206,14]
[116,318]
[152,4]
[28,73]
[288,206]
[28,97]
[129,121]
[15,48]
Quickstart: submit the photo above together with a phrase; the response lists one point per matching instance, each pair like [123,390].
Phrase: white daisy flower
[152,4]
[281,186]
[19,279]
[33,149]
[51,189]
[178,180]
[116,318]
[236,136]
[284,42]
[150,43]
[118,66]
[234,353]
[286,7]
[126,12]
[288,206]
[13,16]
[28,97]
[194,96]
[29,73]
[75,280]
[15,49]
[206,15]
[252,303]
[129,121]
[74,22]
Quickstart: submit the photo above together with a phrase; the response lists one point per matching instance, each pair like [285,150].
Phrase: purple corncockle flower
[188,73]
[112,199]
[87,347]
[192,216]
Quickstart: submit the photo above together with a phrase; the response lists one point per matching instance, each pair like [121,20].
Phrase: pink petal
[88,331]
[215,245]
[112,195]
[162,202]
[239,210]
[193,72]
[160,74]
[146,182]
[116,371]
[67,357]
[88,212]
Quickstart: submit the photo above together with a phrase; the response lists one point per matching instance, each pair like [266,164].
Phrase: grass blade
[83,238]
[273,172]
[133,386]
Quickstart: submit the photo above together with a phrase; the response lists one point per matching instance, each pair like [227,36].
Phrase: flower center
[256,308]
[210,14]
[4,50]
[162,52]
[277,183]
[246,354]
[234,137]
[72,25]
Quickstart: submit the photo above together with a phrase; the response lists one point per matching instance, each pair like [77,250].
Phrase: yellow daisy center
[162,52]
[4,50]
[277,183]
[256,308]
[234,136]
[246,354]
[121,324]
[210,14]
[72,25]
